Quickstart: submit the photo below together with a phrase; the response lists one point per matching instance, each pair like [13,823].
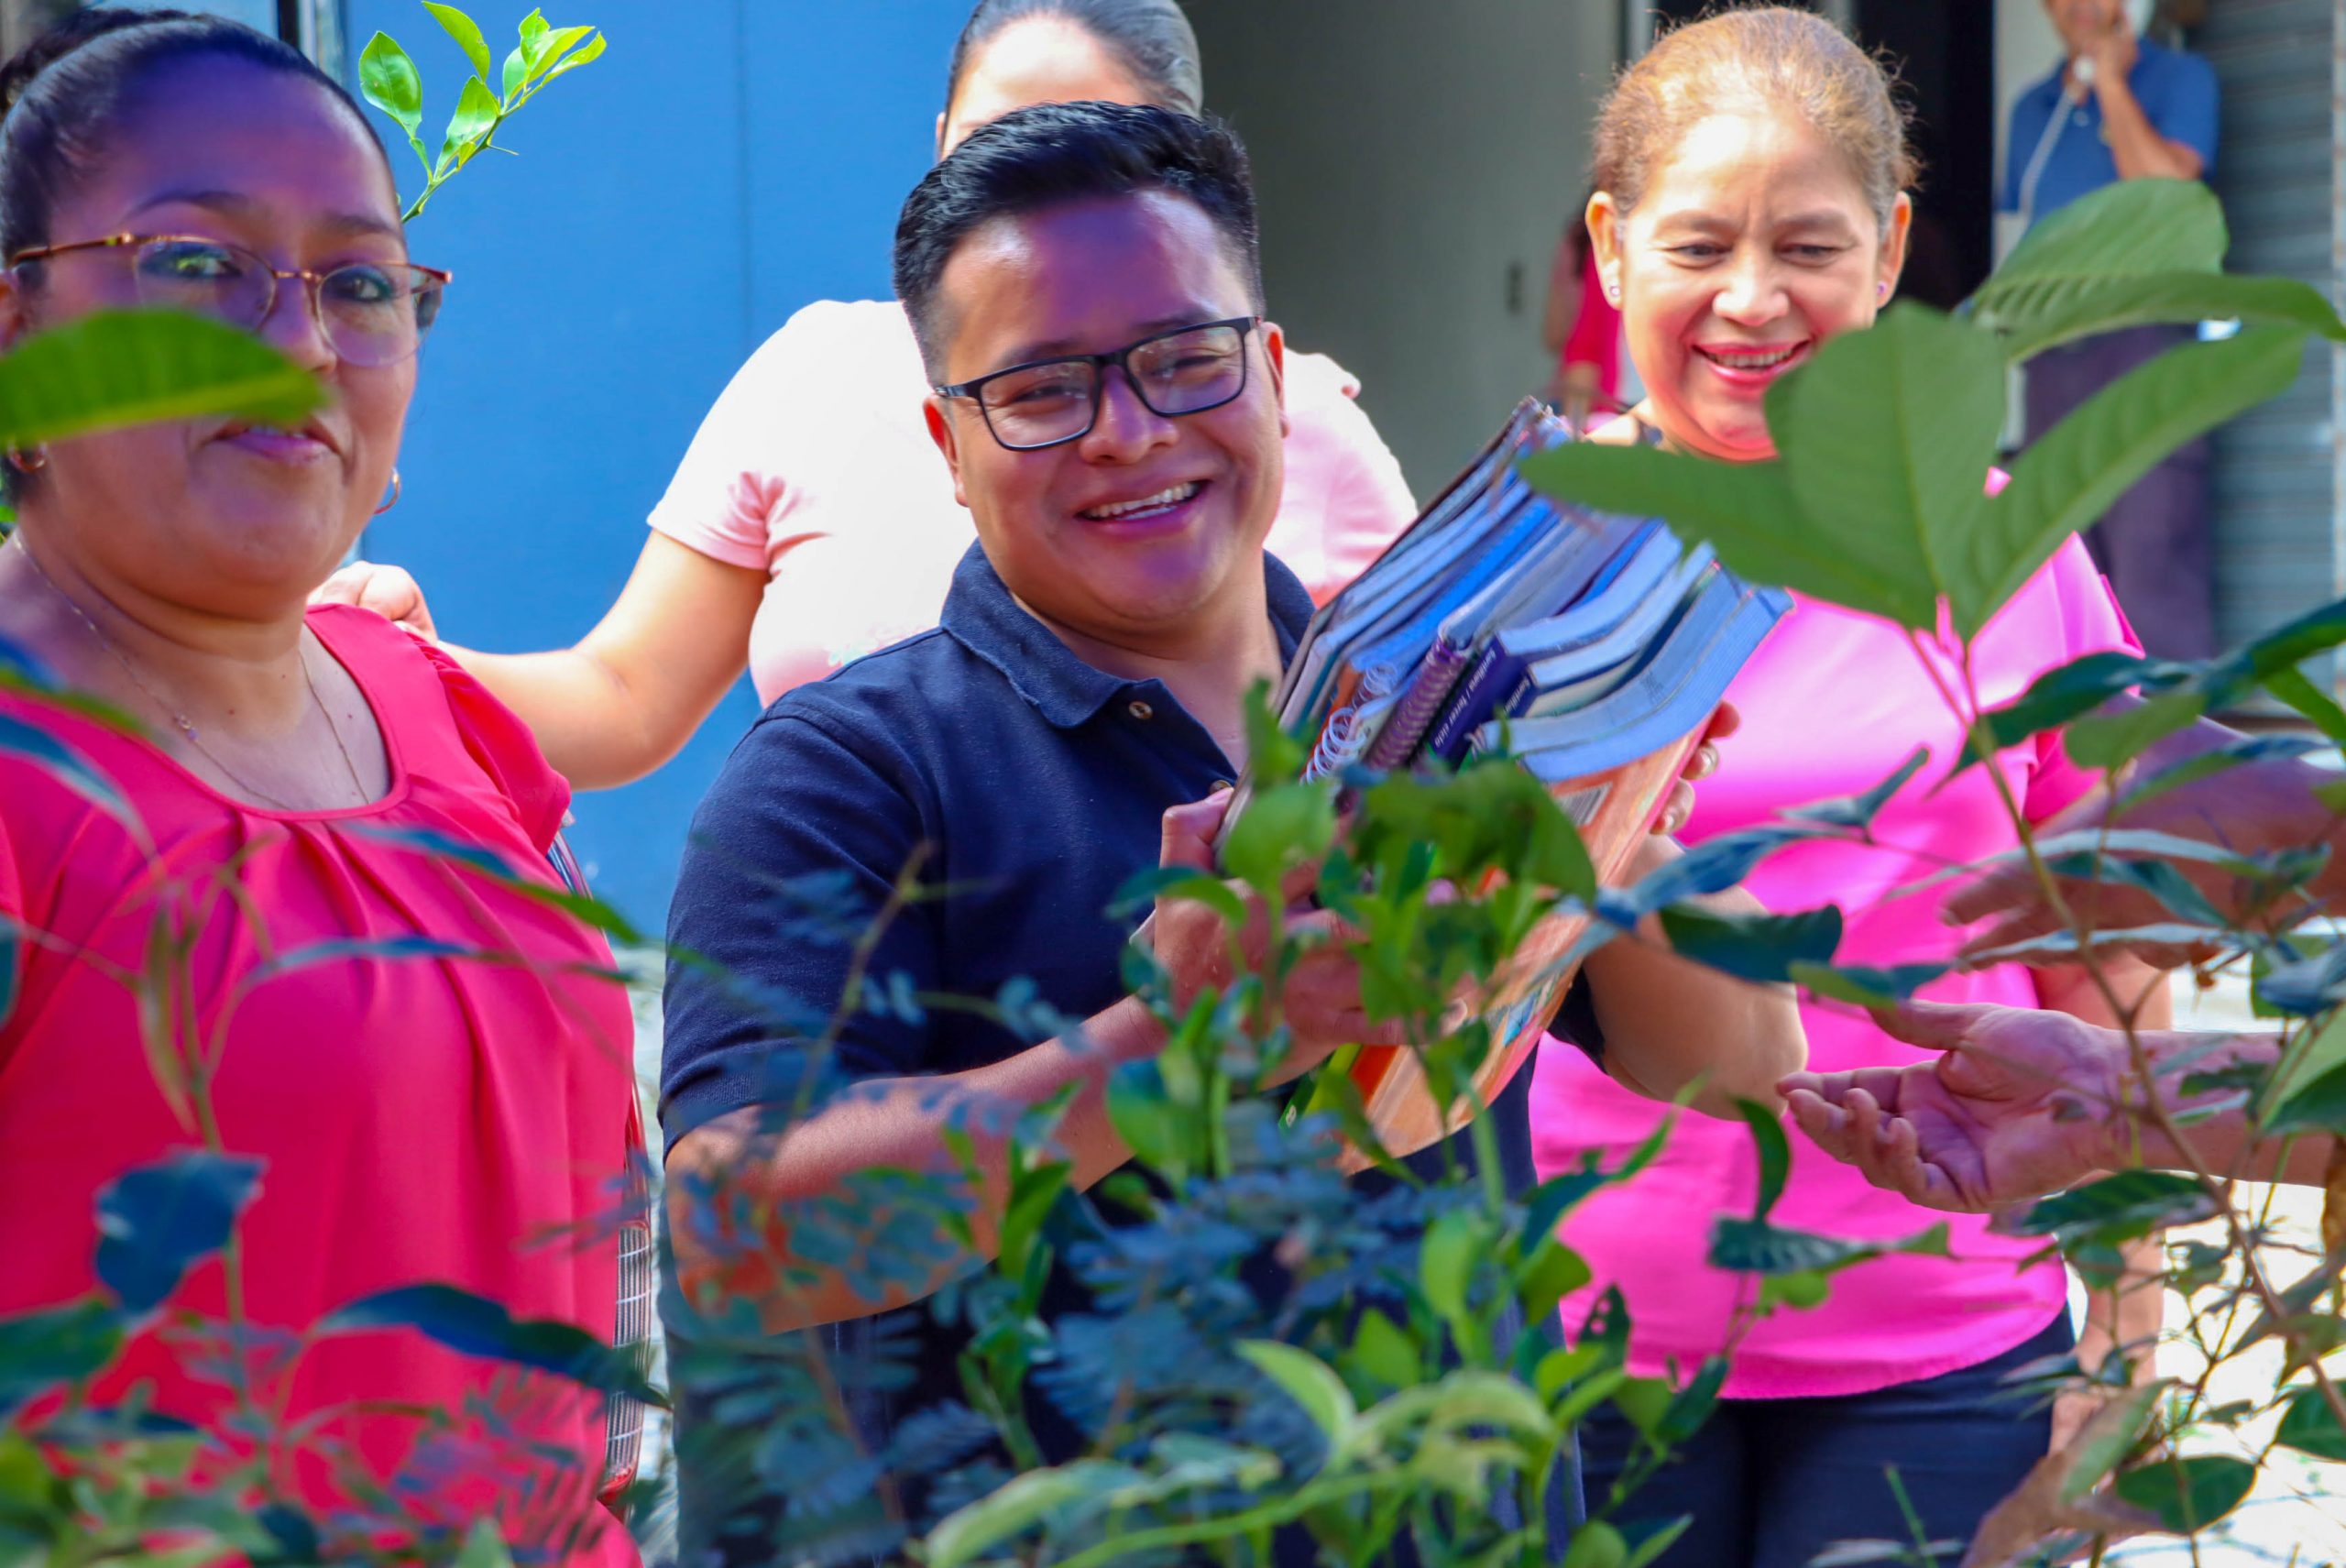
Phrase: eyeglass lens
[374,314]
[1184,373]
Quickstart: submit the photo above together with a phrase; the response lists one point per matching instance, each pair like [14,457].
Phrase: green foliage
[391,82]
[111,369]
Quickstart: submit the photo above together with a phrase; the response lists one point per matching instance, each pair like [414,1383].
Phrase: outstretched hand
[2019,1106]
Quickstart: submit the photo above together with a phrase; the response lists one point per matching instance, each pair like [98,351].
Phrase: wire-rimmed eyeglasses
[372,312]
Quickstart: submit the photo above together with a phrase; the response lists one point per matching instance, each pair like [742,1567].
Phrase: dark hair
[1152,40]
[1050,154]
[65,92]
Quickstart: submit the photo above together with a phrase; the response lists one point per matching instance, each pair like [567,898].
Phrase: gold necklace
[181,721]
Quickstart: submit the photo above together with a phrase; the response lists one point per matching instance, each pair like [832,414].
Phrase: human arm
[2139,144]
[819,810]
[1668,1021]
[2026,1103]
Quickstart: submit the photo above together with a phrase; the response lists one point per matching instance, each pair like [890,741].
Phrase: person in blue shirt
[2122,107]
[1084,282]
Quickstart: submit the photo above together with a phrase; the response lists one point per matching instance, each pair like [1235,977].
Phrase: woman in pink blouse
[429,1065]
[1748,206]
[812,520]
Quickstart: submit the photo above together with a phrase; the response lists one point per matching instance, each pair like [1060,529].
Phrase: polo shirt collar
[982,616]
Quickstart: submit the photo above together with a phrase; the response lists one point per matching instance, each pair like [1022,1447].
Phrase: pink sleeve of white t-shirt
[2074,596]
[1333,454]
[728,498]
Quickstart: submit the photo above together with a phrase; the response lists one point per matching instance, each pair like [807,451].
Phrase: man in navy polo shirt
[1084,282]
[2122,107]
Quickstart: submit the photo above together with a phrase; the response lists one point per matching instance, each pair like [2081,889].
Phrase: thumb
[1189,832]
[1934,1026]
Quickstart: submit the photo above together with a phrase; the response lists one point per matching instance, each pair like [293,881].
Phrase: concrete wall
[727,163]
[1416,163]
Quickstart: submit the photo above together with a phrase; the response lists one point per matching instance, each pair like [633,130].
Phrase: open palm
[2019,1106]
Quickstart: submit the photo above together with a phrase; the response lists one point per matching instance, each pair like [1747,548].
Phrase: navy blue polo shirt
[2177,93]
[1035,784]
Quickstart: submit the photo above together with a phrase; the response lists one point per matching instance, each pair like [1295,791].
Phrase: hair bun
[80,28]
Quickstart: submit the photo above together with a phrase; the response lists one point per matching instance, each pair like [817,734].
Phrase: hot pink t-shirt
[422,1119]
[1831,704]
[816,468]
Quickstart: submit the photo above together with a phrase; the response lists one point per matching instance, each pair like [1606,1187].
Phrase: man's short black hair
[1054,153]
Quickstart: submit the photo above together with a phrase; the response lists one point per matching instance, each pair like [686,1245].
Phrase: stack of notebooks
[1592,649]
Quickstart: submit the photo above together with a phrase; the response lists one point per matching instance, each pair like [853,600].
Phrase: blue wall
[725,163]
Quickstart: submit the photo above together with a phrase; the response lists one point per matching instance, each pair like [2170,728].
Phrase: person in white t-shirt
[812,520]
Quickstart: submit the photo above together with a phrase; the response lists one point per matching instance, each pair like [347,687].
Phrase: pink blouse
[422,1119]
[816,468]
[1831,704]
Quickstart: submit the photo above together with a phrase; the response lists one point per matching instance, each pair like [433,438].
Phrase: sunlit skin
[1044,60]
[1753,243]
[194,543]
[2085,23]
[1183,582]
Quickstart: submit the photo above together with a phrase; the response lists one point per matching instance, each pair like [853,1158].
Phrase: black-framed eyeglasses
[1047,401]
[372,312]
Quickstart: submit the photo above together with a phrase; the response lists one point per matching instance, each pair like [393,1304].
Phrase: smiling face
[1044,60]
[1148,528]
[1752,244]
[210,513]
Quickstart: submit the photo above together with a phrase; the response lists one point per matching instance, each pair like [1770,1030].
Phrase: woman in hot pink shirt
[1738,232]
[813,520]
[269,927]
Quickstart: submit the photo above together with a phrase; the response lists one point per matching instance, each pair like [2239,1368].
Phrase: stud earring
[395,495]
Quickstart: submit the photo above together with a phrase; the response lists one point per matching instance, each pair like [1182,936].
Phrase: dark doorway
[1944,53]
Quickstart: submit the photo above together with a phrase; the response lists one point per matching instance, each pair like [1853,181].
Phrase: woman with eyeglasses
[811,521]
[298,911]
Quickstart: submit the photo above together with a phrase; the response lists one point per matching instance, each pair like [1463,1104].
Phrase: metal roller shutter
[2276,488]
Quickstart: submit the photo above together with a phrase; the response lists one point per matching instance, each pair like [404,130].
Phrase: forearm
[2224,1144]
[2136,144]
[1669,1021]
[887,1125]
[592,728]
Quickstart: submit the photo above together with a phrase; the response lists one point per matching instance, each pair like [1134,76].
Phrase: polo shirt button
[1140,711]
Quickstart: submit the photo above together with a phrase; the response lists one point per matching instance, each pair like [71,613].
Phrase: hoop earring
[28,459]
[395,495]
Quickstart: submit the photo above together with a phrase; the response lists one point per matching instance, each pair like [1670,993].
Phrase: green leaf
[533,31]
[1597,1545]
[1891,432]
[968,1533]
[2108,1437]
[2108,741]
[338,948]
[1034,1191]
[515,72]
[1859,810]
[1139,1109]
[2189,1493]
[113,369]
[2307,1426]
[2066,693]
[1774,1152]
[1446,1263]
[1281,827]
[2318,705]
[390,82]
[474,1325]
[588,55]
[70,768]
[2072,474]
[1553,1272]
[1863,985]
[557,42]
[2115,1208]
[1658,1540]
[1381,1350]
[484,1545]
[1761,948]
[158,1222]
[2131,228]
[59,1344]
[1309,1382]
[467,34]
[1755,1247]
[1746,512]
[2313,1072]
[2048,316]
[476,116]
